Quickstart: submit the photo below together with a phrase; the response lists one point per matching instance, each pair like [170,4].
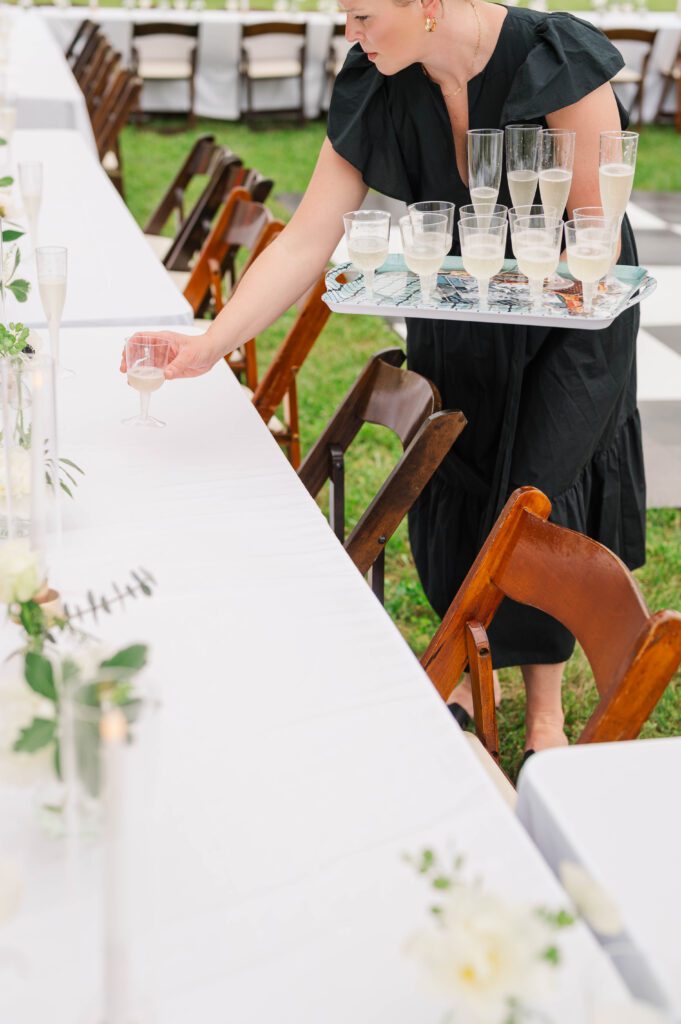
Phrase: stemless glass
[536,245]
[522,157]
[31,184]
[367,233]
[483,243]
[436,206]
[589,247]
[425,245]
[52,263]
[485,150]
[146,357]
[617,164]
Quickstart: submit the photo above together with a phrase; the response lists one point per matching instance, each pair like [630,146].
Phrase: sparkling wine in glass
[617,164]
[522,158]
[485,151]
[146,357]
[417,211]
[483,244]
[589,248]
[536,245]
[535,210]
[425,241]
[492,211]
[556,162]
[52,265]
[367,233]
[31,184]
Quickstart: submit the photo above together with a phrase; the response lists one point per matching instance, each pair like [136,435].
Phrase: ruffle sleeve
[360,126]
[571,58]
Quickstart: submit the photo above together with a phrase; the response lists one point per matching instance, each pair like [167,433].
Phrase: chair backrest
[126,98]
[634,35]
[164,28]
[94,66]
[83,32]
[110,64]
[199,160]
[258,186]
[407,404]
[586,587]
[274,28]
[86,53]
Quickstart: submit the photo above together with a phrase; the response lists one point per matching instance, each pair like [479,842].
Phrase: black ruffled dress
[549,407]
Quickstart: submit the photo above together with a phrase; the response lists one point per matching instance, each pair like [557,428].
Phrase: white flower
[19,575]
[11,888]
[19,705]
[19,474]
[592,901]
[481,952]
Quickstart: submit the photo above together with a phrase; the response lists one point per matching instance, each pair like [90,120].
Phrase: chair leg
[482,684]
[337,492]
[678,105]
[291,403]
[377,577]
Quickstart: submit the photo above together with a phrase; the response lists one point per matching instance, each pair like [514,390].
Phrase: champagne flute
[425,245]
[556,162]
[589,247]
[31,184]
[483,244]
[367,234]
[485,149]
[52,263]
[522,157]
[617,164]
[536,245]
[146,356]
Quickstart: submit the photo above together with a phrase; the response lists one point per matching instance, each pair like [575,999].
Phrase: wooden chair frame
[578,581]
[272,28]
[86,53]
[636,35]
[199,160]
[85,29]
[169,28]
[673,75]
[409,405]
[111,63]
[126,91]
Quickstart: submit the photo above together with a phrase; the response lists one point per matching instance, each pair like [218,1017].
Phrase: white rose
[19,575]
[20,705]
[11,888]
[592,901]
[482,952]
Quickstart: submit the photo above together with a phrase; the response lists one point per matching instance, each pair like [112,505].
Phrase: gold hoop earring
[430,24]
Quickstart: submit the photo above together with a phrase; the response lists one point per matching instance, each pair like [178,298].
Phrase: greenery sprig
[19,287]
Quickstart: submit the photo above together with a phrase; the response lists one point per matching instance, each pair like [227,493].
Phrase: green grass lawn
[150,159]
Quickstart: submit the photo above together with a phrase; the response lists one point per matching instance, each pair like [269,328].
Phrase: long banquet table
[302,750]
[113,275]
[613,808]
[39,81]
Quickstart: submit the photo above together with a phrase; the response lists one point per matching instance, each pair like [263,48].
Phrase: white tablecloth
[302,749]
[40,81]
[113,276]
[217,79]
[613,808]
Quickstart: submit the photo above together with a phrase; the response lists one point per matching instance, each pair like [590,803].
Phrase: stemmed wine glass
[52,264]
[483,244]
[522,157]
[367,234]
[485,150]
[556,163]
[146,357]
[417,211]
[536,244]
[589,244]
[31,184]
[617,164]
[426,242]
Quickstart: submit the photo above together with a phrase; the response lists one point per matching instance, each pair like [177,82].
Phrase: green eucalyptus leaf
[6,181]
[39,675]
[20,289]
[37,735]
[32,618]
[11,234]
[134,657]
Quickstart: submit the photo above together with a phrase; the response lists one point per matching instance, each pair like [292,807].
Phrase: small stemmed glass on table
[617,164]
[31,184]
[426,240]
[52,263]
[589,243]
[485,152]
[146,358]
[556,163]
[536,246]
[367,234]
[483,244]
[522,158]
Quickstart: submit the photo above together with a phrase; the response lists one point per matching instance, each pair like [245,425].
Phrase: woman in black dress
[552,408]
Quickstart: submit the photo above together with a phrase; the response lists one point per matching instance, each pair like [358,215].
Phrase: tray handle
[647,287]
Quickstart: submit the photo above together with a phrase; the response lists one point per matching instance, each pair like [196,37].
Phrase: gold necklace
[452,95]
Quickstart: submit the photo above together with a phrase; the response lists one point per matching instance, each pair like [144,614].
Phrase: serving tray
[397,293]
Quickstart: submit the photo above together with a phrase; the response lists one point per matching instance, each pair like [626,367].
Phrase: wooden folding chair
[634,75]
[254,68]
[86,29]
[92,70]
[86,53]
[120,101]
[671,78]
[582,584]
[111,63]
[154,66]
[410,406]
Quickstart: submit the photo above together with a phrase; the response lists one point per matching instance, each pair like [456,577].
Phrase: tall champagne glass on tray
[485,153]
[556,163]
[522,158]
[617,164]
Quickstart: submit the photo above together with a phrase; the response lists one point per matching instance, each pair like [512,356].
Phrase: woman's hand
[190,355]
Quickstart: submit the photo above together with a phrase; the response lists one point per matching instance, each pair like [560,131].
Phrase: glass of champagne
[493,211]
[589,248]
[146,356]
[522,158]
[31,184]
[536,245]
[617,164]
[425,245]
[485,151]
[556,162]
[483,244]
[438,206]
[535,210]
[52,264]
[367,233]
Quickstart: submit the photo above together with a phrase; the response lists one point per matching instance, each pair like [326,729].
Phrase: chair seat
[275,426]
[274,69]
[180,278]
[165,70]
[160,244]
[627,76]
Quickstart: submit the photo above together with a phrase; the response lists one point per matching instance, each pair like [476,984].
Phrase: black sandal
[461,715]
